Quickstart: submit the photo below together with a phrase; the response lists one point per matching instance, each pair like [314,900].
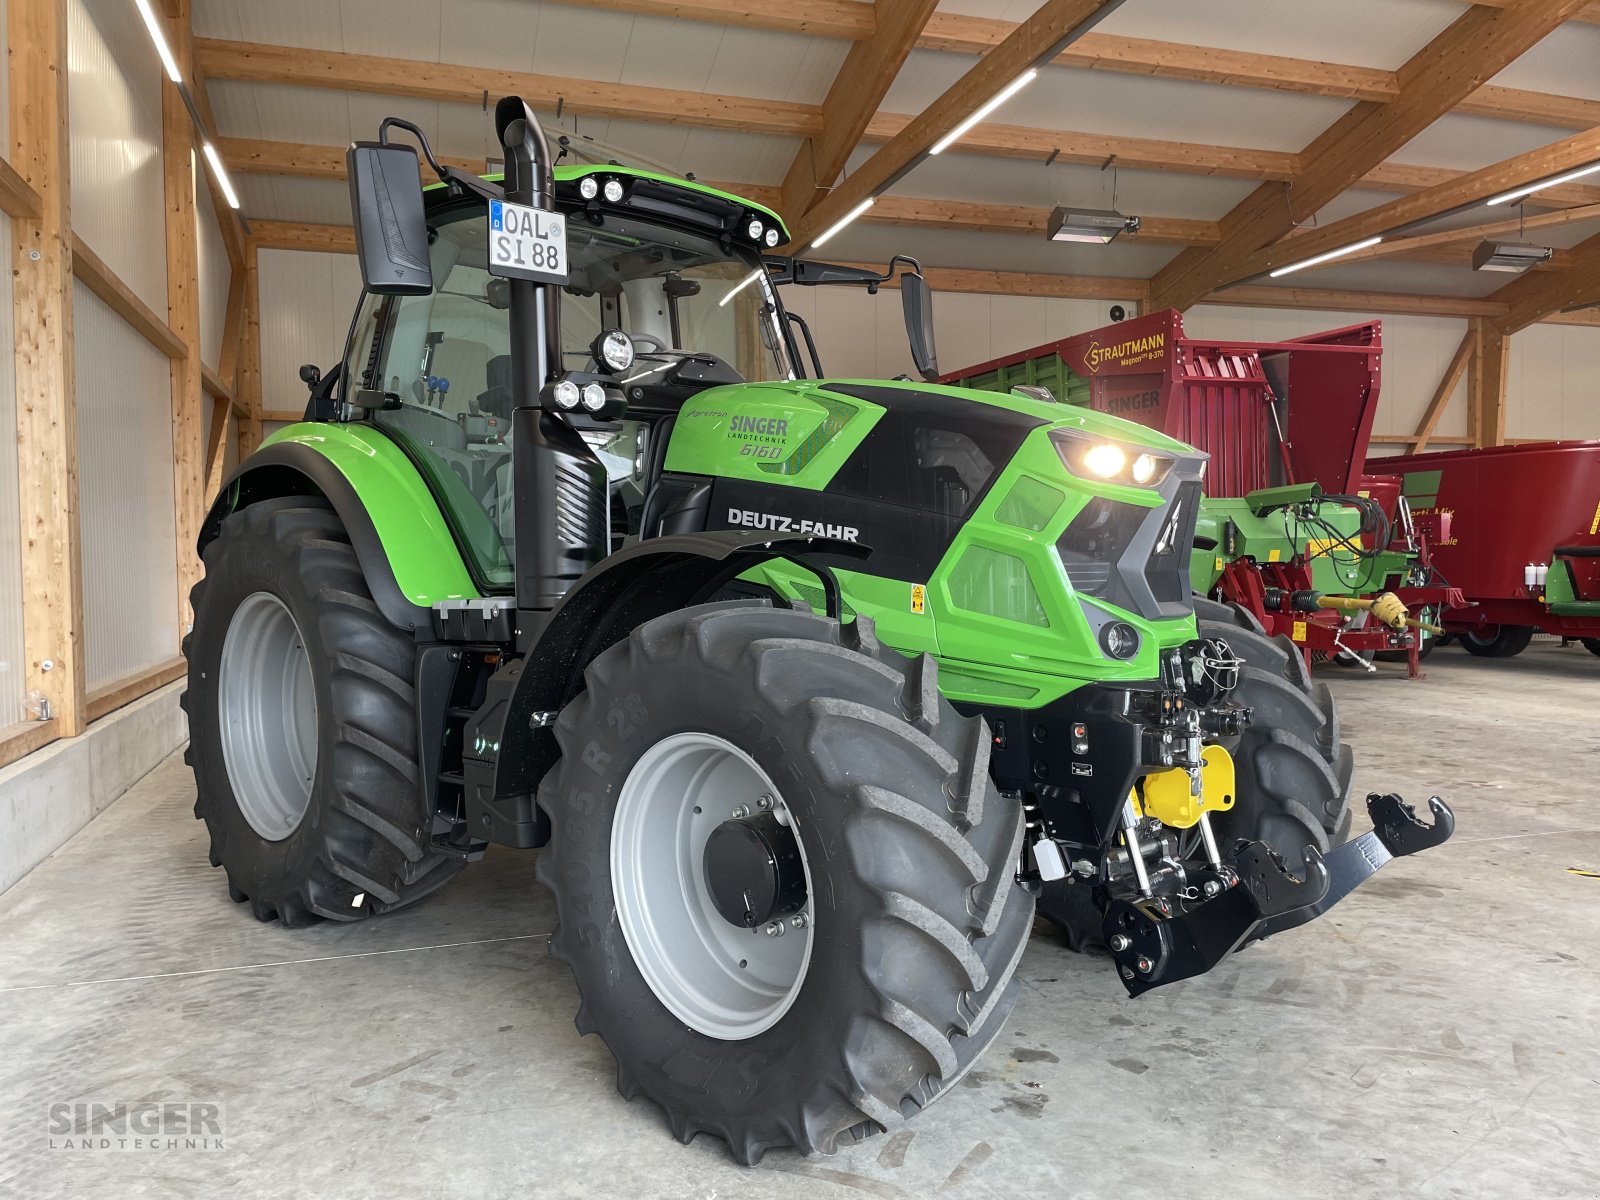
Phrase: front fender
[400,537]
[653,577]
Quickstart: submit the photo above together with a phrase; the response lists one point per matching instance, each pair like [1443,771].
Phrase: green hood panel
[800,432]
[417,542]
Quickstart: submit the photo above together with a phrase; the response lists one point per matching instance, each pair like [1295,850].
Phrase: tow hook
[1256,895]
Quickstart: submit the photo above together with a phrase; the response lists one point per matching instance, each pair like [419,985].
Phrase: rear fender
[400,537]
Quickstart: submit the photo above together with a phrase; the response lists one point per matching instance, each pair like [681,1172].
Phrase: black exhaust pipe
[561,518]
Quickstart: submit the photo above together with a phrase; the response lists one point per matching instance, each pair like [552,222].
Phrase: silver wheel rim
[719,979]
[267,712]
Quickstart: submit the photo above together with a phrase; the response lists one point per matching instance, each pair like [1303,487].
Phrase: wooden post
[47,433]
[1486,383]
[183,316]
[249,388]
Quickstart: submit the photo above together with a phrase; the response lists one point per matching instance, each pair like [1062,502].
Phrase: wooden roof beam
[962,34]
[1052,27]
[858,89]
[1464,191]
[1433,81]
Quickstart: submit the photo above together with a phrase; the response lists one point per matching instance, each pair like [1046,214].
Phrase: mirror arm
[414,131]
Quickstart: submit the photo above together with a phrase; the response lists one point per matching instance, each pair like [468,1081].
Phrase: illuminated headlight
[1119,640]
[565,393]
[613,349]
[588,187]
[594,397]
[613,191]
[1105,460]
[1102,460]
[772,238]
[754,229]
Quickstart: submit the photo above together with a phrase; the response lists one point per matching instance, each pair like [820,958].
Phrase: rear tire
[914,935]
[313,815]
[1294,775]
[1591,644]
[1497,641]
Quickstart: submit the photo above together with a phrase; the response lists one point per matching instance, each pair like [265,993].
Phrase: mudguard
[509,745]
[400,537]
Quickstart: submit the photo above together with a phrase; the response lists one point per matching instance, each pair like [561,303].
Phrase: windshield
[445,357]
[670,291]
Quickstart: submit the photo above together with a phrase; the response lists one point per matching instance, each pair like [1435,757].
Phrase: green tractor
[808,688]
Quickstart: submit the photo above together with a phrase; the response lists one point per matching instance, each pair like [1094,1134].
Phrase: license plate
[527,243]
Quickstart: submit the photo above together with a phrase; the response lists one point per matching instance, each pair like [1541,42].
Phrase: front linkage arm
[1153,944]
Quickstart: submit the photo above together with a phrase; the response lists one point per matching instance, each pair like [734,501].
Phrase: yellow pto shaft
[1385,606]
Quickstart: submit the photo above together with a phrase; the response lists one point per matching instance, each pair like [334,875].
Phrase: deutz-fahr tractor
[808,688]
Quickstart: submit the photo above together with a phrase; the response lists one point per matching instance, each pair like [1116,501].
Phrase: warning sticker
[1299,633]
[919,598]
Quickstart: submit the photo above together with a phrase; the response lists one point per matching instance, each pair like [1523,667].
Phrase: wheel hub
[711,908]
[753,871]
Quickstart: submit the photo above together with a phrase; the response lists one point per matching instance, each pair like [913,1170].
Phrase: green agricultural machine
[808,688]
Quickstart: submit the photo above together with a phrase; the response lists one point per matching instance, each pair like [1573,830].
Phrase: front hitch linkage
[1154,945]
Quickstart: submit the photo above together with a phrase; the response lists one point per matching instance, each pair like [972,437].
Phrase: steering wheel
[648,339]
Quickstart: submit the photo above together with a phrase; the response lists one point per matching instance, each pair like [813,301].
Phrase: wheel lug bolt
[775,928]
[1144,965]
[764,803]
[1120,942]
[741,812]
[798,921]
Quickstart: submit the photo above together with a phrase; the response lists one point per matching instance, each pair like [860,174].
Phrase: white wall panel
[128,538]
[215,275]
[11,646]
[114,92]
[1553,383]
[307,301]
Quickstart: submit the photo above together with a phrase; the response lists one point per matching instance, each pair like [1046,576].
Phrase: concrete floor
[1433,1037]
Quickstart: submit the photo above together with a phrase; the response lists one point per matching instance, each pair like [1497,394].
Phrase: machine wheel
[1591,644]
[1294,774]
[1497,641]
[737,757]
[302,727]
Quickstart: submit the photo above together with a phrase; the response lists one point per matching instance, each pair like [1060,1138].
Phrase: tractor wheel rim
[719,979]
[267,713]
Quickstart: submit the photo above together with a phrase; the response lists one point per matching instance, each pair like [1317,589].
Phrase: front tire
[302,724]
[913,922]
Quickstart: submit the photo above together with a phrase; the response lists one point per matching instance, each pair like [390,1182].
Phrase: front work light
[613,350]
[613,191]
[564,394]
[1105,461]
[588,187]
[594,397]
[1119,640]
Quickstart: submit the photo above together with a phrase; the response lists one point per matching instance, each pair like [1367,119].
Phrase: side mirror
[917,299]
[391,228]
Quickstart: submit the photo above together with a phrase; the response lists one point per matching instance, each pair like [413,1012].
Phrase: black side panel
[289,469]
[907,544]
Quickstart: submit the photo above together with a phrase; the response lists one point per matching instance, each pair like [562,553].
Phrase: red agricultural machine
[1517,530]
[1299,534]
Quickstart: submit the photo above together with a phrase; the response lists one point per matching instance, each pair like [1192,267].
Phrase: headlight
[1103,460]
[588,187]
[1119,640]
[565,393]
[613,191]
[772,238]
[594,397]
[754,229]
[613,349]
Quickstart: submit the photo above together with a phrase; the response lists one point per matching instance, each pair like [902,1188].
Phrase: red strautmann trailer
[1519,536]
